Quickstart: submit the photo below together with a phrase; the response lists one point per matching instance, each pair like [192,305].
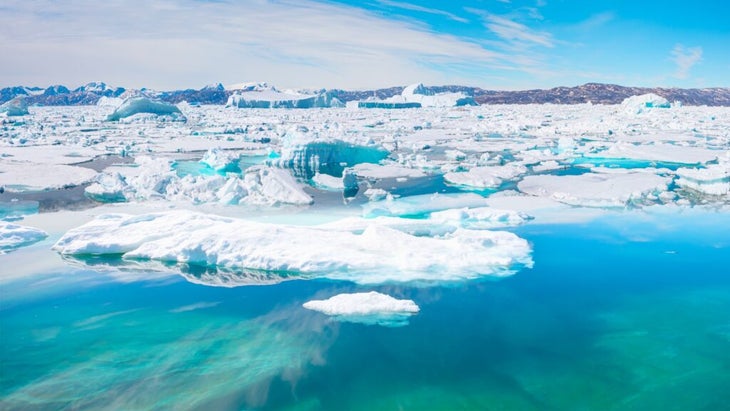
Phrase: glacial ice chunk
[220,160]
[137,105]
[108,188]
[15,107]
[417,95]
[13,236]
[640,104]
[306,157]
[270,97]
[371,308]
[377,254]
[270,186]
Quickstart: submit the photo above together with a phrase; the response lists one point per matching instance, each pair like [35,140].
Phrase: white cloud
[596,21]
[415,7]
[517,33]
[685,58]
[165,44]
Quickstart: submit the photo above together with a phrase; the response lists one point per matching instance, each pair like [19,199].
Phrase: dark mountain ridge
[595,93]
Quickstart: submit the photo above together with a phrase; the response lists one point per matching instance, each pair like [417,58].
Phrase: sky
[493,44]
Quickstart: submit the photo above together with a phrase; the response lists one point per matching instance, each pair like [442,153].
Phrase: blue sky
[496,44]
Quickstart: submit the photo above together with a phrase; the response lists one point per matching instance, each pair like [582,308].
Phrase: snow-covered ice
[596,190]
[144,105]
[14,107]
[366,308]
[377,254]
[14,236]
[18,176]
[416,96]
[264,96]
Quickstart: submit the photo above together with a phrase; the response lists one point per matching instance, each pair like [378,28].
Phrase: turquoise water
[628,312]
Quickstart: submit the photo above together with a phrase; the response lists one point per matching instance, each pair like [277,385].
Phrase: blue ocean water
[627,312]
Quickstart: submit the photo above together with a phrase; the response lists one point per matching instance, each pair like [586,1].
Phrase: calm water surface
[628,312]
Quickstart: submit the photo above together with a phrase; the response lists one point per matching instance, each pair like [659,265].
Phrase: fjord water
[628,311]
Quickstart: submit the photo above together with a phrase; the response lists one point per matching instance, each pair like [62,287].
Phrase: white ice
[18,176]
[14,236]
[486,177]
[644,102]
[14,107]
[421,204]
[144,105]
[617,189]
[376,255]
[219,160]
[713,180]
[367,308]
[264,96]
[416,95]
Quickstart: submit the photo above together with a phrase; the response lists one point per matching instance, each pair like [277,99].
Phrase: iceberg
[417,95]
[366,308]
[138,105]
[307,157]
[13,236]
[108,188]
[377,254]
[15,107]
[220,160]
[640,104]
[264,96]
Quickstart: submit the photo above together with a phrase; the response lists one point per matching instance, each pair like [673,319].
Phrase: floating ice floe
[15,176]
[270,97]
[382,171]
[713,180]
[375,255]
[13,236]
[15,107]
[486,177]
[420,205]
[371,308]
[669,153]
[144,105]
[616,189]
[346,183]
